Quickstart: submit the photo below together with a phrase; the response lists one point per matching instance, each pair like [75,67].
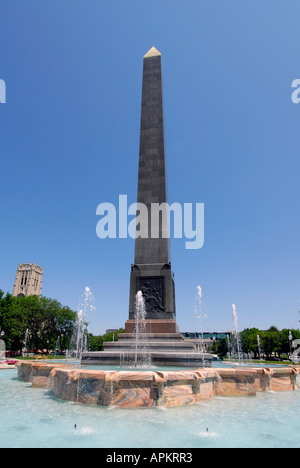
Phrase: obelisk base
[154,326]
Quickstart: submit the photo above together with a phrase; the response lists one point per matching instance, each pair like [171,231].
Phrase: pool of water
[31,417]
[215,364]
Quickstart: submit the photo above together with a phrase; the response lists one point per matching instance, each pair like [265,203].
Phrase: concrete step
[172,346]
[186,359]
[153,337]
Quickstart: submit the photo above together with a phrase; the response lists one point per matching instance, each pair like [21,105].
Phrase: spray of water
[78,343]
[26,342]
[141,348]
[200,317]
[2,350]
[236,332]
[258,346]
[229,348]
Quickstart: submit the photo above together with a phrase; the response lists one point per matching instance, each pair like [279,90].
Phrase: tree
[285,339]
[95,343]
[271,341]
[221,347]
[249,341]
[13,322]
[43,318]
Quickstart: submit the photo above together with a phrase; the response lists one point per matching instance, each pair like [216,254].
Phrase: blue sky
[69,139]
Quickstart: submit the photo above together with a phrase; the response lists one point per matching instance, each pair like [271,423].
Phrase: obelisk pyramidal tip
[153,52]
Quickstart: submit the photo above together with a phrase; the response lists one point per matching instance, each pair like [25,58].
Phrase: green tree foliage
[221,347]
[95,343]
[273,342]
[249,341]
[45,319]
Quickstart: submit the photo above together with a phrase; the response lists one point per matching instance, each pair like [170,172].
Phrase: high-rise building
[28,280]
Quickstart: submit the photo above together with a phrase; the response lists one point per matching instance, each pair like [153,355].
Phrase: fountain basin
[160,388]
[157,358]
[38,372]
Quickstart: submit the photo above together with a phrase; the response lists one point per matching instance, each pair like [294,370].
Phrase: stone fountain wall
[39,373]
[146,388]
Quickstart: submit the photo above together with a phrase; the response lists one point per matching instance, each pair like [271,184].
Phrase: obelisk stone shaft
[151,272]
[152,168]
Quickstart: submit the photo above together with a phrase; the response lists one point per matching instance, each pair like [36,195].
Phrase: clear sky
[69,140]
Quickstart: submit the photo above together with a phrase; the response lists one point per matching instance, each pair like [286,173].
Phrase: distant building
[207,340]
[28,280]
[207,335]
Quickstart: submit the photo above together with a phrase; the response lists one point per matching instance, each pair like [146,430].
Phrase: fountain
[228,348]
[235,345]
[138,347]
[142,356]
[200,316]
[151,329]
[24,352]
[138,354]
[149,387]
[259,347]
[124,406]
[153,318]
[57,350]
[2,350]
[290,341]
[235,352]
[146,388]
[78,343]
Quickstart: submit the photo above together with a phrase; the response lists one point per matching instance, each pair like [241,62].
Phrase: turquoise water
[215,364]
[31,417]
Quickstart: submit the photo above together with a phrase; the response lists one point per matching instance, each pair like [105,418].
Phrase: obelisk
[151,272]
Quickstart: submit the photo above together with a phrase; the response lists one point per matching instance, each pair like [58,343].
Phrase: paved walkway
[4,365]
